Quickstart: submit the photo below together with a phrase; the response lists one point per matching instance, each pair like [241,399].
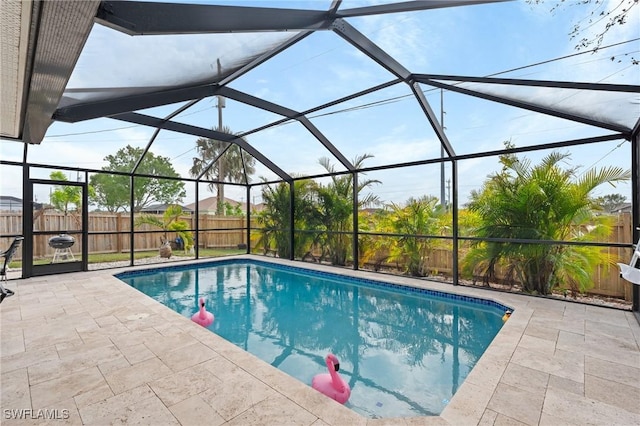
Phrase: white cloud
[403,36]
[391,150]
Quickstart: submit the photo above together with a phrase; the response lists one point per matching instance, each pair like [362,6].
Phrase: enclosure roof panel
[116,59]
[116,65]
[609,106]
[40,44]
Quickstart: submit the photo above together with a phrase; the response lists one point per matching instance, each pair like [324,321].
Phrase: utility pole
[442,200]
[221,160]
[449,190]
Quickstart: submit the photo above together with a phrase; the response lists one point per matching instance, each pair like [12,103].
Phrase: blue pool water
[403,352]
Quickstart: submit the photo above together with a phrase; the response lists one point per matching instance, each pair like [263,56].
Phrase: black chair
[8,255]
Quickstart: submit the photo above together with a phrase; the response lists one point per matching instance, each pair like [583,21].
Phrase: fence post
[118,236]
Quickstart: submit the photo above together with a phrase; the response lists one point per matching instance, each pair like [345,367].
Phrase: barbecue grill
[61,241]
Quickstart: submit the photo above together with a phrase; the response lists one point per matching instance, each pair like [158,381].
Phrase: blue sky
[477,40]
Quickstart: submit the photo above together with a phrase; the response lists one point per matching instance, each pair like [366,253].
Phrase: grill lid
[61,241]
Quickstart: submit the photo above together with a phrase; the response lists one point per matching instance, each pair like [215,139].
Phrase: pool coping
[539,330]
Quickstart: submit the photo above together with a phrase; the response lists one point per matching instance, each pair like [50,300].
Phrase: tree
[229,163]
[66,198]
[323,212]
[112,190]
[600,18]
[418,217]
[335,208]
[542,202]
[232,210]
[275,218]
[421,216]
[610,202]
[170,221]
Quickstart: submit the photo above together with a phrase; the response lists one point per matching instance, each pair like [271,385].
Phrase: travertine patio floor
[89,345]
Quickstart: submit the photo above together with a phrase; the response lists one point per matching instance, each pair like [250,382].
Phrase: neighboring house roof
[161,208]
[210,204]
[258,207]
[622,208]
[9,198]
[8,202]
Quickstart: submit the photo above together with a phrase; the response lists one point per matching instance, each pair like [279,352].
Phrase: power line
[564,57]
[603,157]
[396,98]
[93,131]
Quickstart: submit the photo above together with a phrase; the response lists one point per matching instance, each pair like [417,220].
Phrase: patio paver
[90,345]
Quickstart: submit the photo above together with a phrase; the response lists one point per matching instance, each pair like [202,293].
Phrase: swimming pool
[404,352]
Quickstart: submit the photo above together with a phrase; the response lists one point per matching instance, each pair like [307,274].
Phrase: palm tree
[335,208]
[422,216]
[170,221]
[230,163]
[541,202]
[275,218]
[415,220]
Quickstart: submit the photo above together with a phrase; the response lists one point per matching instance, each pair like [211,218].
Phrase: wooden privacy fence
[229,232]
[215,232]
[606,280]
[109,232]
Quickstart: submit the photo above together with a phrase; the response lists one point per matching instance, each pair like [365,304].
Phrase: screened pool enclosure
[466,141]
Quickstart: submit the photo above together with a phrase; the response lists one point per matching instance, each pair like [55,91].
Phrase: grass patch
[122,257]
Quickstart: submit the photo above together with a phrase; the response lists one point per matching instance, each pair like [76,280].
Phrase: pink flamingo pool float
[332,384]
[202,317]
